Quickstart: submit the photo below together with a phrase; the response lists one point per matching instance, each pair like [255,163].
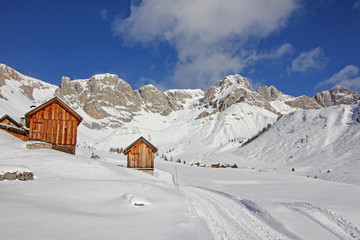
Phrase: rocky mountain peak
[177,97]
[25,85]
[269,93]
[337,95]
[149,87]
[7,72]
[155,100]
[109,77]
[231,80]
[101,96]
[233,89]
[108,96]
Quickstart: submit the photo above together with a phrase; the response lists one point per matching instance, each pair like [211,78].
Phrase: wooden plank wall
[7,122]
[55,125]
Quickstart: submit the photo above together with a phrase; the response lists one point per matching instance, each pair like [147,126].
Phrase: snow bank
[13,168]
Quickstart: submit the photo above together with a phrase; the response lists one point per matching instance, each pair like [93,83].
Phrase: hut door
[36,131]
[136,160]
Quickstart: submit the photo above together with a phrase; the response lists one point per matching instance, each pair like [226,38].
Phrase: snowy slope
[76,197]
[188,139]
[312,142]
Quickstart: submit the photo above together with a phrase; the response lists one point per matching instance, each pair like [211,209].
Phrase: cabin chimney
[22,121]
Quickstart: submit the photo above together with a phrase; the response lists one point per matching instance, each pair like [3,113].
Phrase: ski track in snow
[334,223]
[228,219]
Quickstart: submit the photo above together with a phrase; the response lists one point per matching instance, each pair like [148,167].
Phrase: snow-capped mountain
[18,92]
[108,101]
[232,90]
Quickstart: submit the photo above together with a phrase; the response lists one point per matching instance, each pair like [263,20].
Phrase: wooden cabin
[140,154]
[56,123]
[11,126]
[217,165]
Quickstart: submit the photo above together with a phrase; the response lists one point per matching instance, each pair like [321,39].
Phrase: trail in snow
[332,222]
[227,218]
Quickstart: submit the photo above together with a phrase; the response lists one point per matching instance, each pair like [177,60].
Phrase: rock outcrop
[177,97]
[335,96]
[303,102]
[101,96]
[270,93]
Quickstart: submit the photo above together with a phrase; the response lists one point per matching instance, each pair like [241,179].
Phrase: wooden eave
[48,103]
[126,151]
[14,129]
[11,120]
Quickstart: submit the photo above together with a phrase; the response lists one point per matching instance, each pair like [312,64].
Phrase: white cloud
[348,77]
[202,70]
[254,56]
[313,59]
[207,35]
[104,14]
[356,5]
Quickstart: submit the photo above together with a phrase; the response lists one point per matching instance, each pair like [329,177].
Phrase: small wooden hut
[56,123]
[11,126]
[140,154]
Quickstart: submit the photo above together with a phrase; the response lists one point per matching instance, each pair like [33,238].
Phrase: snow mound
[134,200]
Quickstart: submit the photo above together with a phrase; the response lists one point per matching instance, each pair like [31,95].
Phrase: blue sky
[299,46]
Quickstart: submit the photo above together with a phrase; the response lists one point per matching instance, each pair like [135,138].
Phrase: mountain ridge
[106,96]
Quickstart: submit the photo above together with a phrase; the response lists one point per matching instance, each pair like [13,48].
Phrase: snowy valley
[298,179]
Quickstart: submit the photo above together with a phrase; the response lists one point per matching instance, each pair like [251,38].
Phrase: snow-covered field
[295,206]
[76,197]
